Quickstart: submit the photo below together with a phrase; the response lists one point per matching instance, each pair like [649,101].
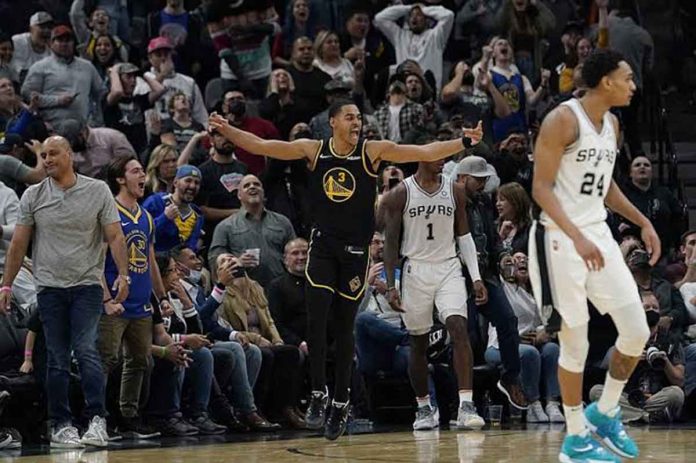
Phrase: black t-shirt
[128,116]
[310,86]
[216,188]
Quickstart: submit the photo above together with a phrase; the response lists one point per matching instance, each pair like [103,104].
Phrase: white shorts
[424,285]
[570,282]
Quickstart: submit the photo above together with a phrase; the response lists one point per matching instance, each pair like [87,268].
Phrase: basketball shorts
[337,266]
[427,285]
[562,283]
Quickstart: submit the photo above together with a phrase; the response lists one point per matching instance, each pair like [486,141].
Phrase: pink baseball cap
[158,43]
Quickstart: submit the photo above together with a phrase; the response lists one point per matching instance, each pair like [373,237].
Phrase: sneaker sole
[500,387]
[61,445]
[563,458]
[610,445]
[455,425]
[137,436]
[94,443]
[425,428]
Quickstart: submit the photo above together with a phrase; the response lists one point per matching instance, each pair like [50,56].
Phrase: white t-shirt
[394,124]
[24,55]
[343,71]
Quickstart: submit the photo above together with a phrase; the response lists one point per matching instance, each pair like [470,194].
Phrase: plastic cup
[495,413]
[256,254]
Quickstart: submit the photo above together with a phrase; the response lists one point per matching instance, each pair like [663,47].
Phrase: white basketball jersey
[428,222]
[586,169]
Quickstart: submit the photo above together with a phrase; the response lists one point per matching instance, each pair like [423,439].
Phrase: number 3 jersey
[428,222]
[586,169]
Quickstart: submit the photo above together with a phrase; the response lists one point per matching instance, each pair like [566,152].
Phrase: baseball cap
[337,85]
[475,166]
[40,17]
[127,68]
[9,141]
[187,170]
[60,31]
[159,43]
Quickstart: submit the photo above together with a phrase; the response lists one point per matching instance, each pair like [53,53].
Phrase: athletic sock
[609,400]
[465,396]
[575,421]
[423,401]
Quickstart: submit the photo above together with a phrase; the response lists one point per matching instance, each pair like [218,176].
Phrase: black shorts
[337,266]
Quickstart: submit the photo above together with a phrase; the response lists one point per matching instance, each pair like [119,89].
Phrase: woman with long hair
[299,23]
[328,58]
[161,170]
[513,205]
[245,309]
[105,54]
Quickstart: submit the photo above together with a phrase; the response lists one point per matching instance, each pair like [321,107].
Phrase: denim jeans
[382,346]
[198,378]
[500,314]
[690,369]
[70,319]
[539,365]
[247,363]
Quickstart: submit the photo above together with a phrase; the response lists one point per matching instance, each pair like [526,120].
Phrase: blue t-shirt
[139,230]
[513,91]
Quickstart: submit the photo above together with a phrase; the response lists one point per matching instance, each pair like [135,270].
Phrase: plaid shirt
[410,117]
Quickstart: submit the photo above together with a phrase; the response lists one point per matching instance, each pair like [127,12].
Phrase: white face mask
[195,276]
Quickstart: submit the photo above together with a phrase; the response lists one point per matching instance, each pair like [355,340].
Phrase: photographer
[655,387]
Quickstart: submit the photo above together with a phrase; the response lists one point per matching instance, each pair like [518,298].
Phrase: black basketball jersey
[343,190]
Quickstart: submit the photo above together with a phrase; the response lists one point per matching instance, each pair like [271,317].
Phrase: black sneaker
[337,421]
[174,426]
[316,412]
[207,426]
[133,428]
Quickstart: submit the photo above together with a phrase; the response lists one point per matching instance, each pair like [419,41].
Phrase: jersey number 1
[430,232]
[588,186]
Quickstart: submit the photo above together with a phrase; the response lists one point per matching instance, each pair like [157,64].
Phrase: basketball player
[432,210]
[573,256]
[343,185]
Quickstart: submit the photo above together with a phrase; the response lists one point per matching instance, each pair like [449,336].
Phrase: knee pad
[633,330]
[574,348]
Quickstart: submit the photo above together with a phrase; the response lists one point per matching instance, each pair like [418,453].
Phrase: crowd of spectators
[121,91]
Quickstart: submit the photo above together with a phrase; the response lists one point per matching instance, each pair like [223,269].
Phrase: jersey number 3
[589,186]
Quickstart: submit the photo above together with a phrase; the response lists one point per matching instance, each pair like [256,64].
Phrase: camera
[655,358]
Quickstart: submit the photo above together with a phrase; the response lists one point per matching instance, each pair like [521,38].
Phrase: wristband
[28,353]
[6,289]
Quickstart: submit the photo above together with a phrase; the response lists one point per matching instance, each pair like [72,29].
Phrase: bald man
[254,233]
[68,217]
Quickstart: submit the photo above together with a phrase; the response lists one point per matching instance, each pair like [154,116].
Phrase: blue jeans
[70,319]
[500,314]
[247,363]
[690,369]
[199,376]
[382,346]
[538,365]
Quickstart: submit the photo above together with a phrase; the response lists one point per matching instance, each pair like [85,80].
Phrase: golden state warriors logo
[339,184]
[136,242]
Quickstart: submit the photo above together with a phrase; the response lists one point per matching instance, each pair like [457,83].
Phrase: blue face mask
[195,276]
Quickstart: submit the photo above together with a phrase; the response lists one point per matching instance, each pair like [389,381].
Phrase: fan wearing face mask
[196,278]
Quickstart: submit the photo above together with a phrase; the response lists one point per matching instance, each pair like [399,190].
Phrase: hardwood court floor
[497,445]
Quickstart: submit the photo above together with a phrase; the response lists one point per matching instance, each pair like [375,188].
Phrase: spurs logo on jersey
[428,221]
[585,171]
[339,184]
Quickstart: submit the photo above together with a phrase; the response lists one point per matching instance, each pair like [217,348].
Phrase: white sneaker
[467,418]
[553,411]
[96,434]
[427,418]
[66,437]
[535,413]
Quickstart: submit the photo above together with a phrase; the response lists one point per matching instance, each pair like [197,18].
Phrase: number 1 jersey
[585,171]
[428,222]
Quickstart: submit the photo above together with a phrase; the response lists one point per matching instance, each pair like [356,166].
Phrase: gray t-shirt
[68,238]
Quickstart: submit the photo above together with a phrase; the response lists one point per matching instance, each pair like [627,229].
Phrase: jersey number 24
[592,184]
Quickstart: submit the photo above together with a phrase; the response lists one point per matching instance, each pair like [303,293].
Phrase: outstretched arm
[286,151]
[384,150]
